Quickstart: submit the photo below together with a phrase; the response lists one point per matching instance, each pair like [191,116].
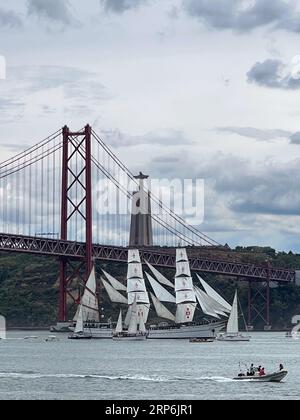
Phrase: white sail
[181,255]
[210,303]
[185,296]
[113,294]
[183,269]
[143,311]
[213,294]
[89,300]
[207,309]
[133,323]
[127,317]
[161,310]
[114,282]
[161,278]
[136,288]
[134,256]
[136,285]
[79,324]
[119,327]
[233,321]
[141,297]
[185,312]
[160,292]
[142,327]
[183,283]
[135,271]
[77,314]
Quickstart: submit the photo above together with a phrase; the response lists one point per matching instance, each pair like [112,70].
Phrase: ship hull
[177,332]
[172,332]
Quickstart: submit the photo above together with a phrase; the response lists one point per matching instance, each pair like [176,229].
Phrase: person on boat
[262,372]
[252,370]
[281,367]
[257,369]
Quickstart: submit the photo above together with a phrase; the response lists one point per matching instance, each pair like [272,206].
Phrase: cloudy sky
[179,88]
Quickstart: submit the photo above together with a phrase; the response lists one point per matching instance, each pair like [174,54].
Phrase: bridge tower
[141,233]
[76,146]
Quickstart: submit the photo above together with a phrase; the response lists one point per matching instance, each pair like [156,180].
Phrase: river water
[152,370]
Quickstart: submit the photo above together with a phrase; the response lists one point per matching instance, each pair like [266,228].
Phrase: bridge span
[164,257]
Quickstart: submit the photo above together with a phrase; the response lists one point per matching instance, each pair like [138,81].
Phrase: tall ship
[175,303]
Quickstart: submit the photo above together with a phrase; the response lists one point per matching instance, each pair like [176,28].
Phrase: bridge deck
[158,258]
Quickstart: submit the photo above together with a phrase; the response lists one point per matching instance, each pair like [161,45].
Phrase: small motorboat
[271,377]
[233,337]
[202,340]
[51,338]
[78,336]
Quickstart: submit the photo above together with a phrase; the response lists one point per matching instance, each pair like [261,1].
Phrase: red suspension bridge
[52,199]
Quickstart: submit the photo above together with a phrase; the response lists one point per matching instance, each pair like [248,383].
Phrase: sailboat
[136,329]
[114,289]
[79,329]
[232,331]
[88,310]
[183,326]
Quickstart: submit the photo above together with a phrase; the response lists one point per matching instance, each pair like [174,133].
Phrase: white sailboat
[232,331]
[79,329]
[114,289]
[89,301]
[88,314]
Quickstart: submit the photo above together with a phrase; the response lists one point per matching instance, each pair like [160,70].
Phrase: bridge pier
[259,304]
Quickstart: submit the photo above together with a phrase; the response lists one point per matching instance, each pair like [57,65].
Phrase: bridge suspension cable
[30,189]
[200,235]
[30,150]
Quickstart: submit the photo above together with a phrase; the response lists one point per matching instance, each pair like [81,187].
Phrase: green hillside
[29,287]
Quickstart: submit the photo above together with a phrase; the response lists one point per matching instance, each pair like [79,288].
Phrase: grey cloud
[121,6]
[9,19]
[238,185]
[264,188]
[11,109]
[116,138]
[245,202]
[13,147]
[256,133]
[77,86]
[295,138]
[243,15]
[37,78]
[273,74]
[55,10]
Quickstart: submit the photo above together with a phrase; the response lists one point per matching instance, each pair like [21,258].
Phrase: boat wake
[35,375]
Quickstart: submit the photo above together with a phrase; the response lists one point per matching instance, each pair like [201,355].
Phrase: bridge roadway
[159,258]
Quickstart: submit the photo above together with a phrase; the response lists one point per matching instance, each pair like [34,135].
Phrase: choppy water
[34,369]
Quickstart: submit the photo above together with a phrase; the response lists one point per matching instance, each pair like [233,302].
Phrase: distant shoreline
[47,328]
